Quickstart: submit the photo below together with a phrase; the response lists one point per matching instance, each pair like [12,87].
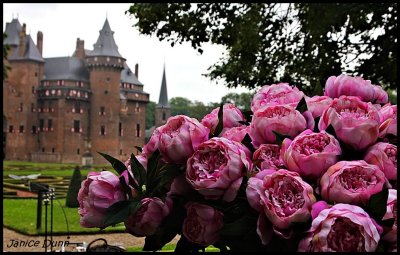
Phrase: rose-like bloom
[276,94]
[355,123]
[351,182]
[147,219]
[383,155]
[231,117]
[236,133]
[391,212]
[267,156]
[202,224]
[388,121]
[317,208]
[98,192]
[152,145]
[317,104]
[310,154]
[180,186]
[283,196]
[279,118]
[341,228]
[354,86]
[180,137]
[216,169]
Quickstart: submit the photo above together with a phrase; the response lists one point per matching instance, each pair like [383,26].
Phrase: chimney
[137,70]
[22,36]
[80,49]
[39,42]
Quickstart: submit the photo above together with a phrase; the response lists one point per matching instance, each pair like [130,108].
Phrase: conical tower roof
[163,100]
[105,45]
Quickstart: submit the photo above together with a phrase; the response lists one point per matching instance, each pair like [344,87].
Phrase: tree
[241,101]
[150,114]
[73,189]
[266,43]
[179,105]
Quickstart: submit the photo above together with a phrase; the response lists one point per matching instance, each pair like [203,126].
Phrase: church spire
[105,45]
[163,99]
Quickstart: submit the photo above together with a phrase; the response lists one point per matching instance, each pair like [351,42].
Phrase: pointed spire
[163,100]
[105,45]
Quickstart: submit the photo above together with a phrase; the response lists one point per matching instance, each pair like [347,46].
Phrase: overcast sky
[62,24]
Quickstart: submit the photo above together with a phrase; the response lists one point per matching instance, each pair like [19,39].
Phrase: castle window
[35,74]
[120,152]
[58,92]
[102,110]
[77,151]
[78,94]
[50,124]
[42,149]
[77,107]
[21,107]
[103,130]
[33,90]
[86,95]
[164,117]
[47,93]
[108,79]
[138,130]
[41,124]
[33,130]
[33,108]
[11,129]
[21,128]
[77,126]
[108,59]
[120,130]
[52,150]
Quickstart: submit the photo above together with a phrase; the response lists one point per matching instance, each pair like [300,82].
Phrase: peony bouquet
[296,173]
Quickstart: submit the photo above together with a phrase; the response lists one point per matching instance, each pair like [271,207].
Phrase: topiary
[73,189]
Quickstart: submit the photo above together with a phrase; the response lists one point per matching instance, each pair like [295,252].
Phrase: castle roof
[127,76]
[65,68]
[105,45]
[13,30]
[163,99]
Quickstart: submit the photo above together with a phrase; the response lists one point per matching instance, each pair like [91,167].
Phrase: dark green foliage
[299,43]
[150,114]
[73,189]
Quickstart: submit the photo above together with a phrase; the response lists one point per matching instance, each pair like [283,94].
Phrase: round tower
[105,65]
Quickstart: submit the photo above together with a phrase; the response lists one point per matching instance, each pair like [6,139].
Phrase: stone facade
[68,108]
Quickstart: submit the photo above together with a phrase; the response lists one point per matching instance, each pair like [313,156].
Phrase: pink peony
[391,212]
[354,86]
[231,117]
[279,118]
[152,145]
[98,192]
[276,94]
[284,197]
[236,133]
[383,155]
[317,208]
[355,123]
[388,120]
[352,182]
[341,228]
[202,224]
[147,219]
[310,154]
[180,137]
[216,169]
[267,156]
[317,104]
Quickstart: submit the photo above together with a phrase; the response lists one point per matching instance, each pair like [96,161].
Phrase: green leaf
[302,105]
[138,172]
[316,120]
[280,137]
[387,223]
[115,163]
[152,164]
[331,130]
[248,115]
[166,175]
[247,142]
[125,187]
[377,203]
[240,226]
[184,245]
[119,211]
[220,124]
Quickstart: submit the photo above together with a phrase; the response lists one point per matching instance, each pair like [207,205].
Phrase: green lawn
[20,215]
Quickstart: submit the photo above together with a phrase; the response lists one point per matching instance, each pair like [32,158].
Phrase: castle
[66,109]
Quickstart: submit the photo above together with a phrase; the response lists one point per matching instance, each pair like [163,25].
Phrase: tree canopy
[266,43]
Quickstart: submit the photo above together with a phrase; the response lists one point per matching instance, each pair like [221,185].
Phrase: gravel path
[24,243]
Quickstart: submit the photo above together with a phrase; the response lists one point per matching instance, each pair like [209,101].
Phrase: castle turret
[105,65]
[163,109]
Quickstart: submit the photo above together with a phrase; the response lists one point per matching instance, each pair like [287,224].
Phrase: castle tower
[163,109]
[19,92]
[105,65]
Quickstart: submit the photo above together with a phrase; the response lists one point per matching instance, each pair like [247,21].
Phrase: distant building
[65,109]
